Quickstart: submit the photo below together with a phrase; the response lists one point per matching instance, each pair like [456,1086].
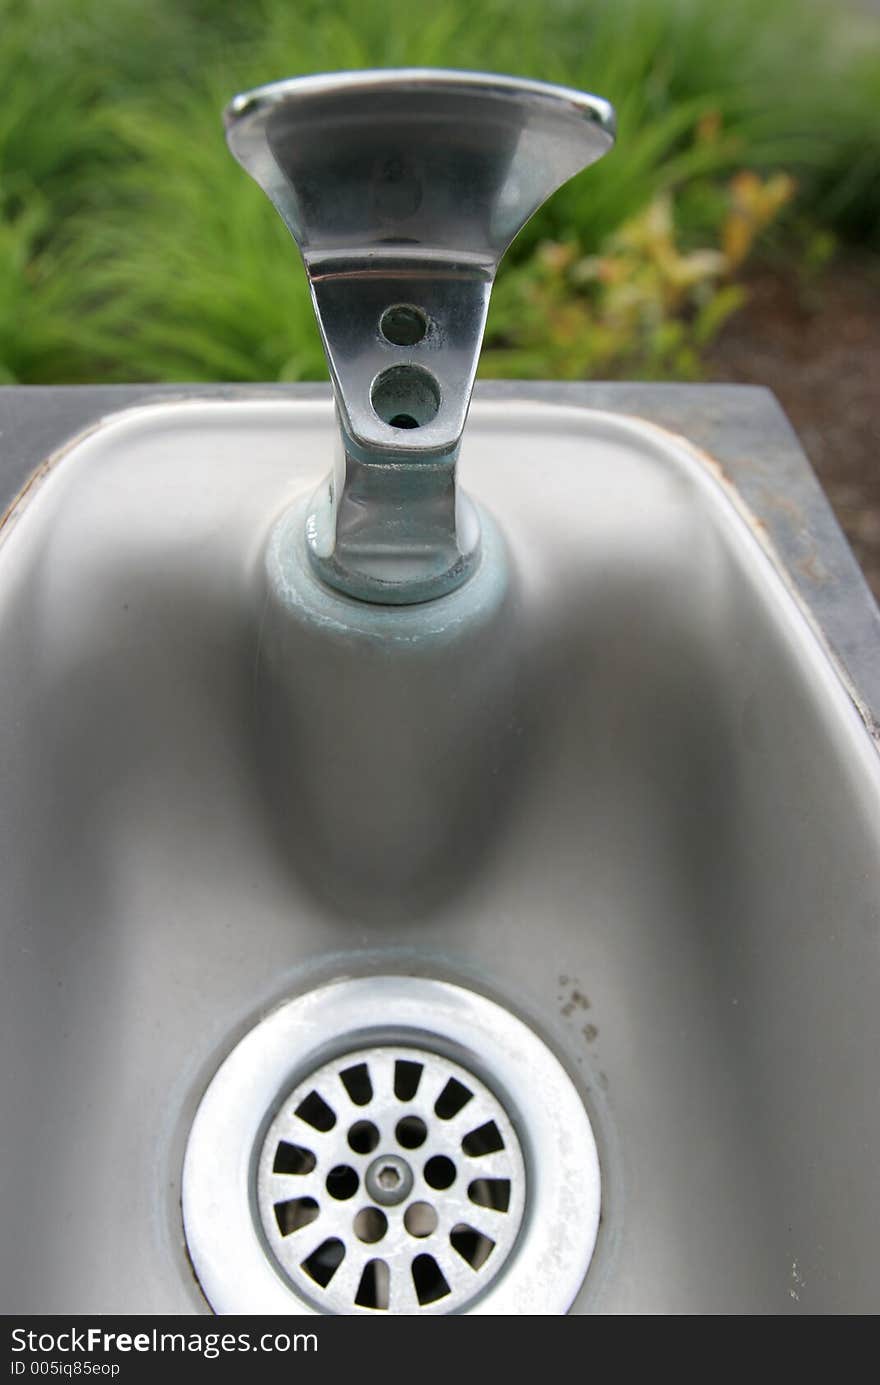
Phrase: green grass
[132,247]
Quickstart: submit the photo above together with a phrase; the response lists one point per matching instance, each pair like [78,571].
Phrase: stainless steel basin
[642,814]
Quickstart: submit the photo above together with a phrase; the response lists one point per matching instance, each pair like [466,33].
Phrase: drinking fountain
[439,841]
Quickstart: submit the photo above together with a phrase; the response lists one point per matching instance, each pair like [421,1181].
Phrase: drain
[392,1179]
[391,1145]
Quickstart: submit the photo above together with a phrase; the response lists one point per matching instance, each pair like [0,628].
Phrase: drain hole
[411,1132]
[314,1110]
[486,1139]
[294,1215]
[454,1097]
[370,1225]
[403,325]
[491,1192]
[471,1245]
[407,1077]
[440,1172]
[405,396]
[420,1219]
[373,1288]
[342,1182]
[428,1279]
[357,1083]
[363,1137]
[293,1159]
[323,1263]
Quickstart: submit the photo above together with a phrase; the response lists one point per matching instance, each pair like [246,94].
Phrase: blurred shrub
[133,247]
[642,307]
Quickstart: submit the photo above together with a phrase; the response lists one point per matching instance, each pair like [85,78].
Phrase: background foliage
[132,247]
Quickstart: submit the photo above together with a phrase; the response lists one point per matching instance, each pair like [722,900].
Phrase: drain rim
[229,1253]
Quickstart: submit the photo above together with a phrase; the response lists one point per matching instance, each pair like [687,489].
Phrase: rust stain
[786,506]
[37,477]
[811,568]
[49,464]
[30,484]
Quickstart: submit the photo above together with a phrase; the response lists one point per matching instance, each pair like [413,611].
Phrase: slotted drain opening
[407,1189]
[391,1145]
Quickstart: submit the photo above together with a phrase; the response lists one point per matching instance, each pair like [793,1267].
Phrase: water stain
[576,1001]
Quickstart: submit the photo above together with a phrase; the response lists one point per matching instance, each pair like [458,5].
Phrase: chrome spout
[403,189]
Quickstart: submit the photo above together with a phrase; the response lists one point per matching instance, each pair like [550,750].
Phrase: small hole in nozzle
[405,396]
[403,324]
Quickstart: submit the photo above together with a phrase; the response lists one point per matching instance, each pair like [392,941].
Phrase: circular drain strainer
[392,1179]
[440,1162]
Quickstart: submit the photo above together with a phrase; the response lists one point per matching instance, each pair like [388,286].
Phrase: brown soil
[818,349]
